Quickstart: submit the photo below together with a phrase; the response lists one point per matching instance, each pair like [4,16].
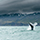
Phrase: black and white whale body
[32,26]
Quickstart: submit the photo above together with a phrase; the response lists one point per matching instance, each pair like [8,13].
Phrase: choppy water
[19,33]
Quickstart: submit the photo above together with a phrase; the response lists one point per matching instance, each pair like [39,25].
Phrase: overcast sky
[23,5]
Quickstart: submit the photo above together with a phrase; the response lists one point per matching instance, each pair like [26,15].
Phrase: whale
[32,26]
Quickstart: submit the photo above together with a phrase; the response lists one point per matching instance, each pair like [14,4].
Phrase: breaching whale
[31,26]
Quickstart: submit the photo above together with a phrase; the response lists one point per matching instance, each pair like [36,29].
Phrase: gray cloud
[24,5]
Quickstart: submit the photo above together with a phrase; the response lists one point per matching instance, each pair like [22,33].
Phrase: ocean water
[19,33]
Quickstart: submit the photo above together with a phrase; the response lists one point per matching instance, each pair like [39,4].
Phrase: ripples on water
[19,33]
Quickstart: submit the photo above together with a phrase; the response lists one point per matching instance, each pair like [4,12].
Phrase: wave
[19,14]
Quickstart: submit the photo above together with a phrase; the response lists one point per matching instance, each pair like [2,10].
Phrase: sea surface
[19,33]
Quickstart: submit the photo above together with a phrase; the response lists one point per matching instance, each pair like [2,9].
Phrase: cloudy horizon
[22,5]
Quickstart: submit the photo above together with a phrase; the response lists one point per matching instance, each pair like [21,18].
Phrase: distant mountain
[19,14]
[20,19]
